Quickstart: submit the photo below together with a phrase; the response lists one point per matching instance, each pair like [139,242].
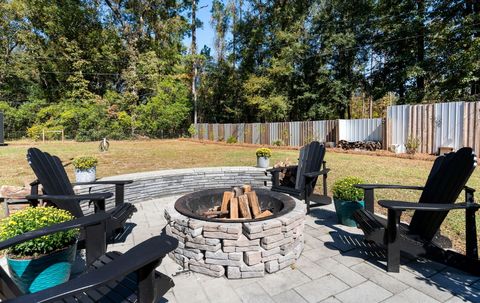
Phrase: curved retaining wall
[156,184]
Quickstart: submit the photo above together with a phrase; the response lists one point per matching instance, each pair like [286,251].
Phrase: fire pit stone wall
[237,250]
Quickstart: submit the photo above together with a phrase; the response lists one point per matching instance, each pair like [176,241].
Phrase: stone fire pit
[240,249]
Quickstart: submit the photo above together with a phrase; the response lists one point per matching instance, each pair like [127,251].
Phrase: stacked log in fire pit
[239,203]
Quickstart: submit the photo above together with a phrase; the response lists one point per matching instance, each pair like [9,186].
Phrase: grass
[136,156]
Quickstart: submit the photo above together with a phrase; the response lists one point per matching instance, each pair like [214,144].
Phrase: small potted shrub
[85,168]
[263,156]
[347,199]
[42,262]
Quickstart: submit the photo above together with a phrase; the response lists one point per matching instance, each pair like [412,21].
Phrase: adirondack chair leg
[470,226]
[99,205]
[471,234]
[146,283]
[369,199]
[393,247]
[307,200]
[119,194]
[95,242]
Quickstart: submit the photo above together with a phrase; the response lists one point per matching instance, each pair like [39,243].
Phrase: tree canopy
[119,69]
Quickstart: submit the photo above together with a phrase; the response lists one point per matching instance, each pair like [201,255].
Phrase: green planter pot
[345,210]
[32,275]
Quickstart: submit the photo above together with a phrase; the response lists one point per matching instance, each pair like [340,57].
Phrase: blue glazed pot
[345,210]
[32,275]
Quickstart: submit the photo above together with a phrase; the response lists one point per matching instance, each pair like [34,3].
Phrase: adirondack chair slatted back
[310,160]
[446,181]
[53,177]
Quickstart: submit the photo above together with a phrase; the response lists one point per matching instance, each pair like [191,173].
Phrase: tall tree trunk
[421,49]
[193,50]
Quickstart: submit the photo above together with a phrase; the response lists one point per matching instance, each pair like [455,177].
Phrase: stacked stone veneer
[237,250]
[156,184]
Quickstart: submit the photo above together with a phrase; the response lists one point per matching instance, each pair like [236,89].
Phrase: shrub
[264,152]
[232,140]
[344,189]
[35,132]
[277,143]
[33,218]
[85,162]
[412,145]
[192,130]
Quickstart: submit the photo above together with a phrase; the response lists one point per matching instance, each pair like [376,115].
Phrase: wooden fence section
[471,125]
[284,133]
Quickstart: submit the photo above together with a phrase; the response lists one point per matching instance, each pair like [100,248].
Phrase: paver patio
[335,266]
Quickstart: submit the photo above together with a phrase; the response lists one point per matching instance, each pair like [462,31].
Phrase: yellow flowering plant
[264,152]
[33,218]
[84,162]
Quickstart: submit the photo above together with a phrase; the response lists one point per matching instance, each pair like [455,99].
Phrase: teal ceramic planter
[32,275]
[345,210]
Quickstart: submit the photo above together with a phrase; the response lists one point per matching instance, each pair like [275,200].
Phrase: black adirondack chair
[306,173]
[110,277]
[445,182]
[59,192]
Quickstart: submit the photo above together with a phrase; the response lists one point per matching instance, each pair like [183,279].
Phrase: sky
[204,34]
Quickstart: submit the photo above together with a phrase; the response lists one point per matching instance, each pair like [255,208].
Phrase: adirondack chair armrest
[143,257]
[317,173]
[92,196]
[75,223]
[387,186]
[402,205]
[112,182]
[278,169]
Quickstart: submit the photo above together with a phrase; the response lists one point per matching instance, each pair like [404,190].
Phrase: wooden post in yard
[1,130]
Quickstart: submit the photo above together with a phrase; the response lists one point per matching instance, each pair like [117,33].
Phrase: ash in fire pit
[237,248]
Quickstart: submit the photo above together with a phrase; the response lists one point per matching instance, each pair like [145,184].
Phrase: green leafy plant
[85,162]
[344,189]
[232,140]
[33,218]
[412,145]
[264,152]
[192,130]
[277,143]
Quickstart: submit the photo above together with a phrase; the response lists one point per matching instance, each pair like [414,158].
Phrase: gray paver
[410,295]
[253,293]
[320,289]
[367,292]
[380,277]
[341,268]
[289,296]
[283,280]
[331,300]
[311,269]
[342,272]
[218,290]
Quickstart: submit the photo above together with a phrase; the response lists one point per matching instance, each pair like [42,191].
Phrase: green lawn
[137,156]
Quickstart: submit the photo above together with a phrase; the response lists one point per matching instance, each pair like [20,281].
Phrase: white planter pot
[263,162]
[86,175]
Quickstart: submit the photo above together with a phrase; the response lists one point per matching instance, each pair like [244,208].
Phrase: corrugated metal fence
[453,124]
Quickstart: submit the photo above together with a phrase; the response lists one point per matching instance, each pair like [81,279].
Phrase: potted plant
[85,168]
[263,155]
[42,262]
[347,199]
